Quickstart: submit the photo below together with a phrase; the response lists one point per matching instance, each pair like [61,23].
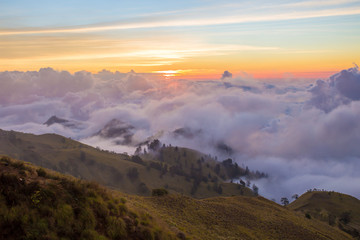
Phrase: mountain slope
[334,208]
[135,175]
[41,204]
[38,204]
[237,217]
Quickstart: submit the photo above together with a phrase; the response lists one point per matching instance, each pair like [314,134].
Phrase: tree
[255,190]
[138,150]
[284,201]
[242,182]
[137,159]
[154,145]
[247,171]
[295,196]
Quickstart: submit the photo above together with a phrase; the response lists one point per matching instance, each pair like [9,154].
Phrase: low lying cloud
[339,89]
[226,74]
[303,134]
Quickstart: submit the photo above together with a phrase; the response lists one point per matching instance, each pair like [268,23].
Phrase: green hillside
[234,218]
[39,204]
[177,169]
[36,203]
[336,209]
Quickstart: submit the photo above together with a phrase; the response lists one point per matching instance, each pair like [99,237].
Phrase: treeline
[173,160]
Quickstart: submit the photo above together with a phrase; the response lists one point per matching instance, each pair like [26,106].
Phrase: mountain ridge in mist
[178,169]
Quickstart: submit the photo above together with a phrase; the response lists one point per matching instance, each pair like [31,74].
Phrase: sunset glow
[203,38]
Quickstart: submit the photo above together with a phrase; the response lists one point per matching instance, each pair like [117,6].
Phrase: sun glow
[171,73]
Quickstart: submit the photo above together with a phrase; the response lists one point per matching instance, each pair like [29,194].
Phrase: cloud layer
[303,134]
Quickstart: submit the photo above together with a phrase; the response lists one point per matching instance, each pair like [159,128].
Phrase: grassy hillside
[334,208]
[41,204]
[38,204]
[199,176]
[236,217]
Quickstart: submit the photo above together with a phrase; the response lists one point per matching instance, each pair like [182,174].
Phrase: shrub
[41,172]
[5,159]
[146,234]
[122,209]
[89,234]
[116,228]
[64,218]
[86,218]
[18,165]
[181,235]
[159,192]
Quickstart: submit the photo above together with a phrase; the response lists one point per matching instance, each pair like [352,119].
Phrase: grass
[237,217]
[55,206]
[333,208]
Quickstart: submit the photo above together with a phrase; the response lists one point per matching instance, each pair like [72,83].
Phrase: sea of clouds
[304,134]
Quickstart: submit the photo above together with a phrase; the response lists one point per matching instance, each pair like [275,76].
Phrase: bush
[19,165]
[5,159]
[116,228]
[41,172]
[181,235]
[159,192]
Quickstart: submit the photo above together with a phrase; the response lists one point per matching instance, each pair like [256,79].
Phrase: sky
[182,39]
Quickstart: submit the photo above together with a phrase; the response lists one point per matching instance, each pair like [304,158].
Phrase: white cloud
[303,138]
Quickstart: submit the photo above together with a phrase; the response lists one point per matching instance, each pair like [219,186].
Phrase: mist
[304,134]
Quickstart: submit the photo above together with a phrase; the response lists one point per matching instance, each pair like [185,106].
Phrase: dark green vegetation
[176,169]
[335,209]
[38,204]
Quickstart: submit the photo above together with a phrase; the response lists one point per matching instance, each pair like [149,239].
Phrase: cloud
[302,134]
[195,20]
[25,87]
[339,89]
[347,82]
[226,74]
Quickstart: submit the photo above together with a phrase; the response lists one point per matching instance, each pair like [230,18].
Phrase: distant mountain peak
[186,132]
[64,122]
[116,128]
[54,119]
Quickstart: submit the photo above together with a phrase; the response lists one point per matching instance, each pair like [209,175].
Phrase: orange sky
[196,40]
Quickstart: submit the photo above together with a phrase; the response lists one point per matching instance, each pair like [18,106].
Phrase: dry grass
[233,218]
[330,207]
